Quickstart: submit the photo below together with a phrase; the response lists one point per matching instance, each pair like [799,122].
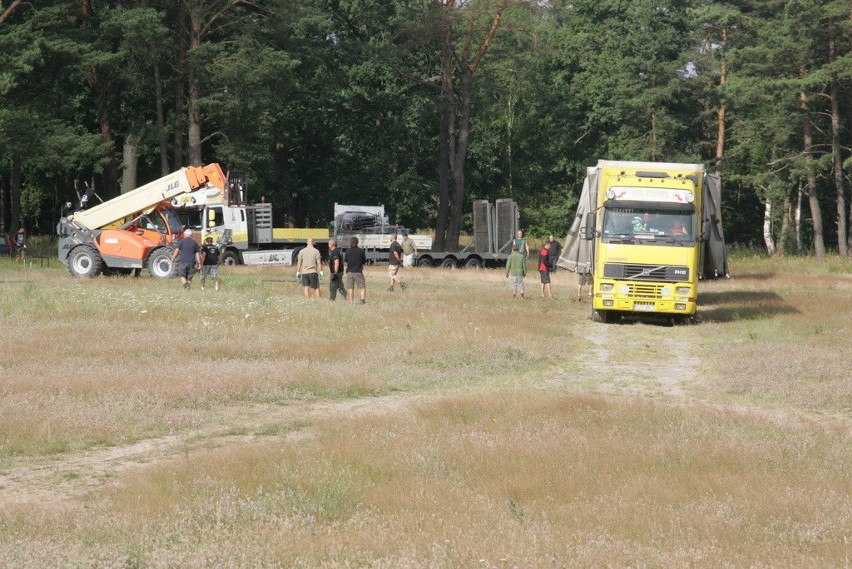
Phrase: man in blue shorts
[188,255]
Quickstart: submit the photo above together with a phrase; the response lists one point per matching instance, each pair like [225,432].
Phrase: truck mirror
[588,229]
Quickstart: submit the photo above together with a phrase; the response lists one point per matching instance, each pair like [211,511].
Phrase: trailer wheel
[473,263]
[425,262]
[85,261]
[230,258]
[448,263]
[160,264]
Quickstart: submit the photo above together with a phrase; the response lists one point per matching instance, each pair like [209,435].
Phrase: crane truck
[134,230]
[647,232]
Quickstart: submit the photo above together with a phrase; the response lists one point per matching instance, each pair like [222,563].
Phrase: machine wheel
[230,258]
[448,263]
[425,262]
[85,261]
[473,263]
[160,264]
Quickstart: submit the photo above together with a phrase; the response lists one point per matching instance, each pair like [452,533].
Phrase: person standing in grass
[409,250]
[521,242]
[309,269]
[394,261]
[516,270]
[210,263]
[583,279]
[544,270]
[555,251]
[355,258]
[21,244]
[335,271]
[188,255]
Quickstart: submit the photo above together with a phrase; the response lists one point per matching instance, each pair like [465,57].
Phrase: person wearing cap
[188,255]
[409,250]
[210,263]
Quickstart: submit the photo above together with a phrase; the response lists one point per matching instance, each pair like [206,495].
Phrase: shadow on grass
[735,305]
[754,276]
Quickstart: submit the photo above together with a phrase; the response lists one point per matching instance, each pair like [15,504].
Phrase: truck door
[214,223]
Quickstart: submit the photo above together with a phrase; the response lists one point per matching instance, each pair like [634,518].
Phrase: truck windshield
[637,225]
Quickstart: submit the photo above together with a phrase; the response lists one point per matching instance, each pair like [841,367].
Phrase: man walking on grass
[210,263]
[355,258]
[335,271]
[394,261]
[309,269]
[188,255]
[516,270]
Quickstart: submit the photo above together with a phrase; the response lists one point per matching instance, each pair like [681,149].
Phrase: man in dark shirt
[188,255]
[210,263]
[394,262]
[335,267]
[355,258]
[553,254]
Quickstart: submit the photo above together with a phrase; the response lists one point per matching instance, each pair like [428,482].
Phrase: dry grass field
[446,426]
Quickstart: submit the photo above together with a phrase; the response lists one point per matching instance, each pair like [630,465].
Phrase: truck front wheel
[230,258]
[85,261]
[160,264]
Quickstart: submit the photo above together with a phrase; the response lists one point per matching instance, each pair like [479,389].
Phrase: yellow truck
[647,232]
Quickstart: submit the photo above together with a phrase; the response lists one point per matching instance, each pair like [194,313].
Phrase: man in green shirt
[516,270]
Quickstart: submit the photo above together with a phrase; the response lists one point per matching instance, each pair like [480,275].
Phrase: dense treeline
[424,105]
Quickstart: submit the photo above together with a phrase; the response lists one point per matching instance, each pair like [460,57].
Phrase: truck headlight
[682,290]
[606,287]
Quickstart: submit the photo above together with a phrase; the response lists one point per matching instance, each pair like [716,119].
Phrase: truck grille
[644,291]
[635,272]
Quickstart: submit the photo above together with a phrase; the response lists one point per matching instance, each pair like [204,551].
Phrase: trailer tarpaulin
[577,253]
[714,258]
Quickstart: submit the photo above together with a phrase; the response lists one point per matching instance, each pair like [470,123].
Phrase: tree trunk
[193,112]
[180,89]
[16,220]
[446,137]
[454,229]
[836,151]
[161,120]
[720,113]
[786,226]
[110,174]
[798,219]
[4,206]
[129,163]
[813,198]
[767,228]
